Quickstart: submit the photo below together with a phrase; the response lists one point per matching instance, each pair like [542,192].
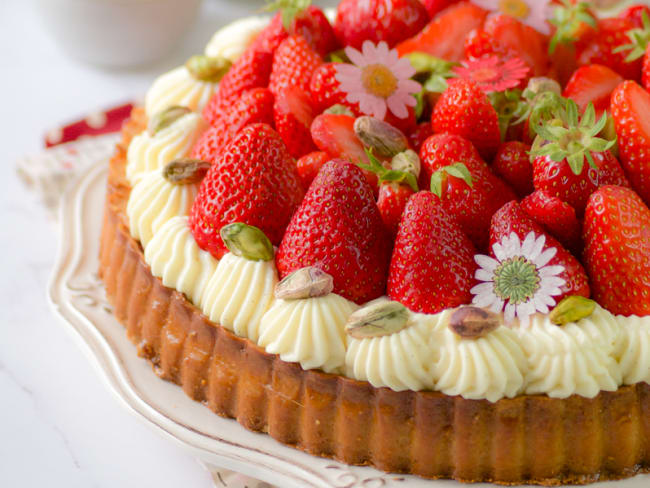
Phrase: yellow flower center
[515,8]
[379,80]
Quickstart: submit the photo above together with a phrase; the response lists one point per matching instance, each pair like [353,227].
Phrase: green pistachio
[572,309]
[185,171]
[473,322]
[207,68]
[165,118]
[247,241]
[377,320]
[306,282]
[379,136]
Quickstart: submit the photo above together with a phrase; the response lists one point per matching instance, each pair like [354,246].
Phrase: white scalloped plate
[77,296]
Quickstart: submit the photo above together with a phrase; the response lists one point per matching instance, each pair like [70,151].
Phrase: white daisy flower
[519,281]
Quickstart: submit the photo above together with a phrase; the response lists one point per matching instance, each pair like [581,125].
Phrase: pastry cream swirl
[239,293]
[177,260]
[577,358]
[153,201]
[147,152]
[633,350]
[309,331]
[232,40]
[178,87]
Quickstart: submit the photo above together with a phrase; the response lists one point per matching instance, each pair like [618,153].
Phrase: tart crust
[527,439]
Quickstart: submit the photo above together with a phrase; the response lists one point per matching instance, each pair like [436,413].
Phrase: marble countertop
[59,424]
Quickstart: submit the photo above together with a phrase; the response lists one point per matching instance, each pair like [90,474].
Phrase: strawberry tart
[408,235]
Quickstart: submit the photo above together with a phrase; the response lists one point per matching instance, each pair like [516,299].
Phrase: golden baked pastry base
[528,439]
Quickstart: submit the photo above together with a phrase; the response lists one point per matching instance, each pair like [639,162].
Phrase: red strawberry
[378,20]
[334,134]
[419,135]
[645,74]
[309,165]
[338,229]
[433,266]
[634,14]
[593,83]
[434,7]
[254,181]
[617,250]
[512,164]
[602,48]
[294,63]
[479,43]
[251,70]
[465,110]
[310,23]
[444,37]
[630,109]
[391,202]
[557,217]
[471,206]
[325,89]
[520,40]
[406,125]
[511,218]
[253,106]
[293,116]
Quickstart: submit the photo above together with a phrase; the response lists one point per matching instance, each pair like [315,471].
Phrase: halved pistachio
[473,322]
[185,171]
[306,282]
[247,241]
[208,68]
[407,161]
[166,117]
[377,320]
[572,309]
[379,136]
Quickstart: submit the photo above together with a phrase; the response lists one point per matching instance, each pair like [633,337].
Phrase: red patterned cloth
[97,123]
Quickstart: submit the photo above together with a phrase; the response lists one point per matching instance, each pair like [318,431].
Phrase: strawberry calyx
[432,71]
[289,9]
[208,68]
[572,137]
[386,175]
[568,19]
[440,179]
[511,108]
[247,241]
[639,40]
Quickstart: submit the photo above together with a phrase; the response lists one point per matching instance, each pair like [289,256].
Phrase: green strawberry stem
[572,137]
[389,175]
[247,241]
[639,40]
[434,72]
[568,19]
[439,179]
[289,9]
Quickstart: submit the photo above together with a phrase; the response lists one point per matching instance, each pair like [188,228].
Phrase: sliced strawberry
[293,116]
[378,20]
[444,37]
[432,268]
[335,135]
[512,164]
[294,63]
[465,110]
[253,106]
[309,165]
[511,218]
[617,250]
[338,229]
[645,74]
[557,217]
[593,83]
[630,109]
[479,43]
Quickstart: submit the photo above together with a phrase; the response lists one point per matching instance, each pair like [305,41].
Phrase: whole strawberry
[293,115]
[512,164]
[593,83]
[253,106]
[309,165]
[433,266]
[294,63]
[338,229]
[254,181]
[326,91]
[378,20]
[630,109]
[617,250]
[251,70]
[511,218]
[472,204]
[465,110]
[422,132]
[570,161]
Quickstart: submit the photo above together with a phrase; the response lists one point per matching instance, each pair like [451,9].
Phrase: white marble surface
[59,426]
